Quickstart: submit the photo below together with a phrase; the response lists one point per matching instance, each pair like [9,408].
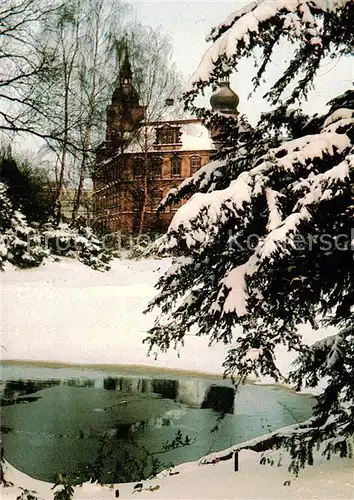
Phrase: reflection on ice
[71,422]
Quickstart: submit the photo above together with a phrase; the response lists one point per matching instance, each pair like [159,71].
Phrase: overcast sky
[188,23]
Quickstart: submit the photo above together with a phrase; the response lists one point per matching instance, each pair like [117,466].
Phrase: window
[176,163]
[156,197]
[195,164]
[156,166]
[138,198]
[138,166]
[168,135]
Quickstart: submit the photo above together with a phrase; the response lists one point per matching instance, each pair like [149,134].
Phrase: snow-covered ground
[323,481]
[68,313]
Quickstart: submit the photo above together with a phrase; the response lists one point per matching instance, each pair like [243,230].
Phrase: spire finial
[126,74]
[224,99]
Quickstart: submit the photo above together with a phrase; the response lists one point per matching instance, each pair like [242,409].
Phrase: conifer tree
[20,243]
[265,242]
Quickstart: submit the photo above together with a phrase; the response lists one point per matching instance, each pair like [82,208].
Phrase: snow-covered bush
[27,245]
[20,243]
[77,242]
[139,247]
[24,243]
[266,241]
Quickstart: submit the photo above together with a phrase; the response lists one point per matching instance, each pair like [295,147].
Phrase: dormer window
[168,135]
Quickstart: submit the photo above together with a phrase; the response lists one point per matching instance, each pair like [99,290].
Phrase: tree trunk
[89,121]
[143,205]
[87,142]
[145,184]
[68,65]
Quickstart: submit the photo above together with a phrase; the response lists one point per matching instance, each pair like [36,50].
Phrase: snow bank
[66,312]
[325,480]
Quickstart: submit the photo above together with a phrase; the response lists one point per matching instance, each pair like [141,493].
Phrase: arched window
[195,163]
[176,164]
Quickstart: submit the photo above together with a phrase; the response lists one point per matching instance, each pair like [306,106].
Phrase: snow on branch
[285,188]
[309,147]
[235,283]
[323,355]
[210,204]
[203,180]
[324,186]
[338,115]
[278,240]
[261,443]
[201,216]
[275,215]
[298,18]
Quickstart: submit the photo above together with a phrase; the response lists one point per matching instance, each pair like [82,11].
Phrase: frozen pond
[115,425]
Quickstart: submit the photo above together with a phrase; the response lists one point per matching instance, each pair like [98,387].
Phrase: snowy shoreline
[325,480]
[121,368]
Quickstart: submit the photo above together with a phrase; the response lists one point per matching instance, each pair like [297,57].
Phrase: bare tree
[81,38]
[102,28]
[59,62]
[26,65]
[69,39]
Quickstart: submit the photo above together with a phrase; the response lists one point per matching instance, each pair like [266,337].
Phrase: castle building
[140,161]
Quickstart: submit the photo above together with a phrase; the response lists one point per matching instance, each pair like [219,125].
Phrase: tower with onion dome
[224,101]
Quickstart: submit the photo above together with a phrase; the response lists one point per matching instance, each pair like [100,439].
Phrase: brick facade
[117,185]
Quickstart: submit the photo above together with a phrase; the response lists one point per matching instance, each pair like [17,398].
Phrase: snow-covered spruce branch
[300,440]
[245,145]
[323,358]
[312,24]
[251,142]
[205,179]
[259,444]
[294,159]
[292,196]
[332,423]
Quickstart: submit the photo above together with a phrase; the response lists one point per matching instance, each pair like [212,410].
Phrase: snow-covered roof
[194,136]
